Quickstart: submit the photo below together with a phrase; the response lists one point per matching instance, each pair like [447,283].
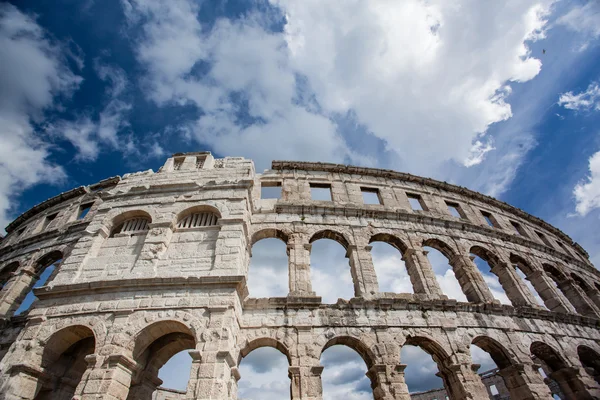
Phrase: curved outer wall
[160,262]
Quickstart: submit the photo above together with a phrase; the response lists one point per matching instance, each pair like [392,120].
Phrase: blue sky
[500,97]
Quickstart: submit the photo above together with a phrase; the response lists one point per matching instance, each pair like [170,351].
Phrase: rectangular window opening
[543,238]
[494,390]
[489,219]
[177,163]
[20,232]
[48,220]
[200,162]
[518,228]
[320,191]
[416,202]
[455,210]
[84,209]
[563,247]
[270,190]
[371,196]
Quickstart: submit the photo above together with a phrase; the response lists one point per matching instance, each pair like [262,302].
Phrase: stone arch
[268,233]
[330,234]
[7,272]
[590,359]
[508,282]
[63,359]
[495,349]
[264,342]
[207,215]
[430,346]
[183,209]
[448,251]
[580,282]
[522,263]
[366,352]
[47,259]
[197,209]
[390,239]
[117,217]
[567,378]
[555,273]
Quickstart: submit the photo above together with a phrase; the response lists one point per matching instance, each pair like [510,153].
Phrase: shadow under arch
[390,239]
[48,259]
[269,233]
[63,358]
[485,254]
[522,264]
[497,351]
[330,234]
[7,272]
[430,346]
[355,344]
[114,225]
[152,347]
[590,359]
[566,377]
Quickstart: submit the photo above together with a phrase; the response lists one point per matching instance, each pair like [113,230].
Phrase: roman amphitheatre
[132,270]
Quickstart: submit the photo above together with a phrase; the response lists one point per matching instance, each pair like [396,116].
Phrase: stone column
[553,300]
[523,381]
[108,381]
[594,296]
[363,271]
[156,243]
[306,382]
[580,301]
[569,380]
[421,273]
[299,266]
[516,290]
[388,382]
[211,376]
[146,386]
[24,382]
[462,381]
[16,289]
[470,280]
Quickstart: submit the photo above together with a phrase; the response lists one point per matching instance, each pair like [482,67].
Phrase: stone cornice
[391,174]
[136,284]
[401,215]
[71,228]
[53,201]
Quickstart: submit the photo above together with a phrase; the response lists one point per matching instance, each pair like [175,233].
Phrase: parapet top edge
[64,196]
[280,165]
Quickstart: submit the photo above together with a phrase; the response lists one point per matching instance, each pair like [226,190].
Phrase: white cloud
[587,192]
[417,75]
[584,19]
[390,269]
[33,72]
[445,275]
[589,100]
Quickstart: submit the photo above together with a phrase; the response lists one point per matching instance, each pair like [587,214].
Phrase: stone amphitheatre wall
[155,263]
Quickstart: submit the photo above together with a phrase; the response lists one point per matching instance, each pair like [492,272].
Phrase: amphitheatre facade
[139,268]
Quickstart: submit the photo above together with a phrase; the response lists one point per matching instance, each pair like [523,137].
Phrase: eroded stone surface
[160,262]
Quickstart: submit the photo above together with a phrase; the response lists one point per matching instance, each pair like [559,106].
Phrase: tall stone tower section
[101,285]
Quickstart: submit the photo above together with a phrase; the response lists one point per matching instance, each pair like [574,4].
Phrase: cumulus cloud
[587,192]
[415,75]
[33,74]
[588,100]
[268,270]
[264,376]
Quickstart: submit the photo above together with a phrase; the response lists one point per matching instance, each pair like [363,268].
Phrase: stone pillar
[580,301]
[553,300]
[231,257]
[470,280]
[299,267]
[462,381]
[156,243]
[211,376]
[147,385]
[16,289]
[569,380]
[363,271]
[594,296]
[514,288]
[306,382]
[421,273]
[24,382]
[523,381]
[108,381]
[388,382]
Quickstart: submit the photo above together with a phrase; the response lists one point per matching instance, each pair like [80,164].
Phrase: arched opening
[7,273]
[45,268]
[557,369]
[268,274]
[493,359]
[439,256]
[557,277]
[387,254]
[329,267]
[345,362]
[422,358]
[154,346]
[482,259]
[590,360]
[587,289]
[524,271]
[198,217]
[63,359]
[264,371]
